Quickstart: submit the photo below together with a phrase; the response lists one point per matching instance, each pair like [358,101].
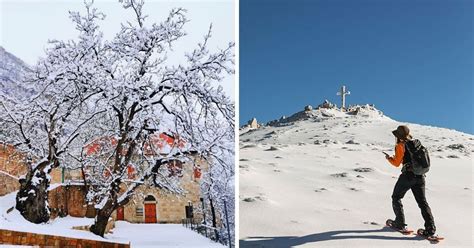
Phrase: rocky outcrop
[366,110]
[327,104]
[251,125]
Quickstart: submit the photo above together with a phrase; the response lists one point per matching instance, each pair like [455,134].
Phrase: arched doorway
[150,209]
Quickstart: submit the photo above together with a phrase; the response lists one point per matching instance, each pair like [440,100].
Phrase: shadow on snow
[290,241]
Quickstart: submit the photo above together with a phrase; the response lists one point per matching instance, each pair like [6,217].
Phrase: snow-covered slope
[12,71]
[321,179]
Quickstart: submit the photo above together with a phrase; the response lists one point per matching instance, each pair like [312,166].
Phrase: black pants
[406,181]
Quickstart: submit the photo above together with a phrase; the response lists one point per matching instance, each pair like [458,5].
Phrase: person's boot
[399,226]
[429,233]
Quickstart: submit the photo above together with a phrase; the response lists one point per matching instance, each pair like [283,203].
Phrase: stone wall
[12,167]
[56,175]
[69,199]
[8,184]
[24,238]
[11,161]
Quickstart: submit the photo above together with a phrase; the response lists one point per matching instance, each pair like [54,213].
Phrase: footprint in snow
[320,190]
[371,223]
[254,199]
[272,148]
[354,150]
[352,142]
[261,198]
[363,169]
[339,175]
[248,146]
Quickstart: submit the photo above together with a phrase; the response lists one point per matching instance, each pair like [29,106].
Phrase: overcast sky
[27,25]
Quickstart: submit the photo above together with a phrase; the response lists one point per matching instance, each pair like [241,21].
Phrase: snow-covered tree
[143,97]
[42,126]
[102,105]
[218,189]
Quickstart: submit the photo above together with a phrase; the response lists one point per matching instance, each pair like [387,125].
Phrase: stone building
[154,205]
[67,195]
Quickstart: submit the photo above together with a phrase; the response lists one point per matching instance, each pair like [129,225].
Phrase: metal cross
[343,94]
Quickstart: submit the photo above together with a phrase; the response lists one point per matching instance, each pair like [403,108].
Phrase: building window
[139,211]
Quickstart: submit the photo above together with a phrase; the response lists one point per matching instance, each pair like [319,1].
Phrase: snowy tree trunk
[214,219]
[32,198]
[101,220]
[103,215]
[105,211]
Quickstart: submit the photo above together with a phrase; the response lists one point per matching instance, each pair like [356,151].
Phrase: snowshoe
[403,230]
[431,237]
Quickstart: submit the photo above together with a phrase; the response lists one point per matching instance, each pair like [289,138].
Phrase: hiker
[408,180]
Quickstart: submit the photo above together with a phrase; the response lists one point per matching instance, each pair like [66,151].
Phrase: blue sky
[413,59]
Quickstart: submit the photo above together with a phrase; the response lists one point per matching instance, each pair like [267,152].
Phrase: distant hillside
[12,72]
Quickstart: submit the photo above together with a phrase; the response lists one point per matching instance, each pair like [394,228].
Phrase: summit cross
[343,94]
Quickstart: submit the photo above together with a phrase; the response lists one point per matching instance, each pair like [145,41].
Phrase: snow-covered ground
[160,235]
[138,235]
[59,226]
[324,182]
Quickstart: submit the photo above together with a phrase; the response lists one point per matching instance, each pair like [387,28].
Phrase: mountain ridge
[12,73]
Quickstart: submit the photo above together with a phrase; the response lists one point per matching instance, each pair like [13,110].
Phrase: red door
[150,213]
[120,213]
